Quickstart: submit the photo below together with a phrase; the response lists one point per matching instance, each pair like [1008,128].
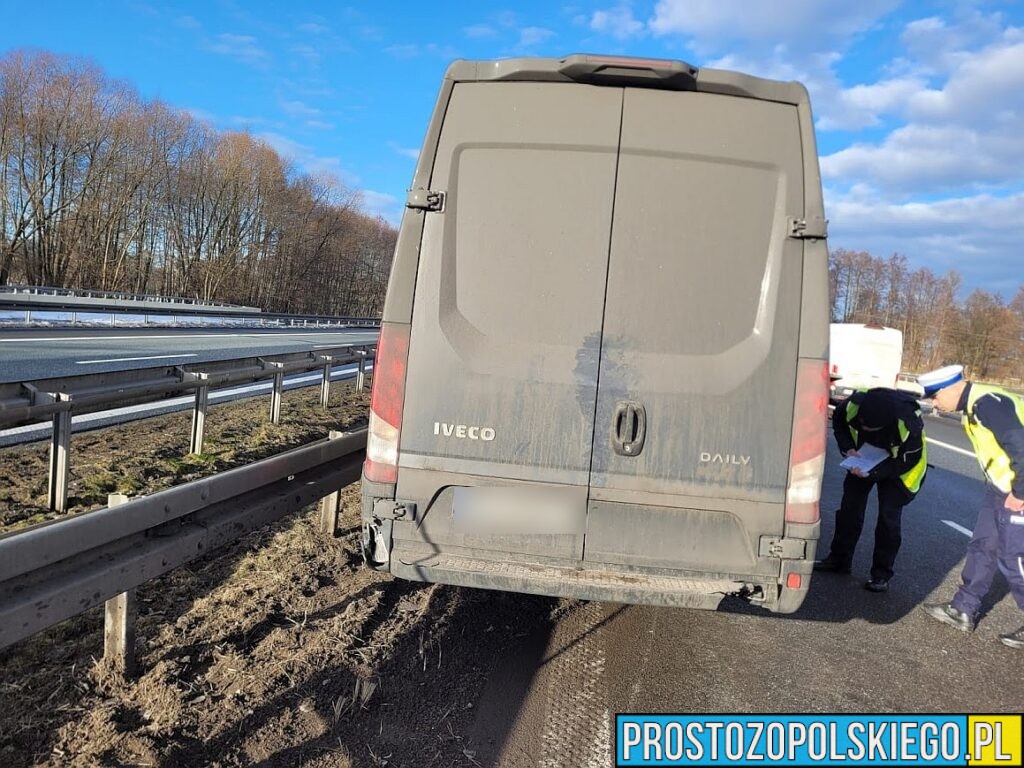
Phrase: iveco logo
[724,458]
[463,432]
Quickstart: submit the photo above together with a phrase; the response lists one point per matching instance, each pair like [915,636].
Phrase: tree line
[100,188]
[983,331]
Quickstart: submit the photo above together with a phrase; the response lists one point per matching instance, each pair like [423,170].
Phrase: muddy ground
[281,650]
[145,456]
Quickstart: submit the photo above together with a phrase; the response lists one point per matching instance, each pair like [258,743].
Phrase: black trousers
[892,497]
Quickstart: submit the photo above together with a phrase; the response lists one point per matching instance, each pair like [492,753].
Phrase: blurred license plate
[515,511]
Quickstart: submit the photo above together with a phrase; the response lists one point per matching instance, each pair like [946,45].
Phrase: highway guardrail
[36,299]
[28,402]
[55,570]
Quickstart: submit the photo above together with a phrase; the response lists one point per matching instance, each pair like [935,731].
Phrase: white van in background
[863,356]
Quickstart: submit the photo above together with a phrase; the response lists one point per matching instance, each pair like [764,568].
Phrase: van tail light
[807,447]
[387,401]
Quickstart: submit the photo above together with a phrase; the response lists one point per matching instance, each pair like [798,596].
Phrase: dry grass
[149,455]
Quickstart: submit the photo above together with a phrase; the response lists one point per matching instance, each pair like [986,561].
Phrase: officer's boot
[1013,639]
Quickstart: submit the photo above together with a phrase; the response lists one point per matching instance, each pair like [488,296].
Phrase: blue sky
[919,106]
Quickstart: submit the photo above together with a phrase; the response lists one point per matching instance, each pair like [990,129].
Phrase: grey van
[602,366]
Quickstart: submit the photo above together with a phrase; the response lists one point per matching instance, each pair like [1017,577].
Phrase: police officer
[890,420]
[994,421]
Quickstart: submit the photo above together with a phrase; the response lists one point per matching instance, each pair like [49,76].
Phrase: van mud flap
[564,581]
[376,543]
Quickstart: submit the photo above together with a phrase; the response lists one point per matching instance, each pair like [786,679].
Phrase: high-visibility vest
[995,462]
[914,476]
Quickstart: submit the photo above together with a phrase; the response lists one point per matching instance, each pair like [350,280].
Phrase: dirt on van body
[144,456]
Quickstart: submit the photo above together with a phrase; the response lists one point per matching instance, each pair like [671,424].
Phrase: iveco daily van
[602,369]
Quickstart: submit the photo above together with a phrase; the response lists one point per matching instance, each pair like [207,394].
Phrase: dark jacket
[897,407]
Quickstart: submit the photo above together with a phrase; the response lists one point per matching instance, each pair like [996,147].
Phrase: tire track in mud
[578,724]
[554,698]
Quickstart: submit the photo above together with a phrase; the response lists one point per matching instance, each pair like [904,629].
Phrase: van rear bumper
[635,586]
[563,581]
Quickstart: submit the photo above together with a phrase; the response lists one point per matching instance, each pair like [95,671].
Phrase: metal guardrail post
[361,375]
[325,384]
[277,394]
[119,615]
[199,418]
[60,458]
[330,506]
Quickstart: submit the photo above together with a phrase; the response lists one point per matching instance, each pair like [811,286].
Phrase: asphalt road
[45,353]
[552,699]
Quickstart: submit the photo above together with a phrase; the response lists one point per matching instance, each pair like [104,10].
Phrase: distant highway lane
[26,355]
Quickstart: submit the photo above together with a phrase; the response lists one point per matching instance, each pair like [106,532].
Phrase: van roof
[667,74]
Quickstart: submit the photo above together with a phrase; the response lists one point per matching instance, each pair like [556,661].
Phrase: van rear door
[699,350]
[502,372]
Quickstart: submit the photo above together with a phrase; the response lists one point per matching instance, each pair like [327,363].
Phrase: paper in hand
[870,457]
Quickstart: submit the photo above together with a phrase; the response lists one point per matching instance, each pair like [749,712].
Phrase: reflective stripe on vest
[995,462]
[914,476]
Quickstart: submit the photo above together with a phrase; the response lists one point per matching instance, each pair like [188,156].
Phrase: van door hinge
[425,200]
[784,549]
[814,228]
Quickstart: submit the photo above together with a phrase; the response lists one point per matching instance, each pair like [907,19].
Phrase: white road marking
[964,451]
[129,359]
[286,334]
[956,527]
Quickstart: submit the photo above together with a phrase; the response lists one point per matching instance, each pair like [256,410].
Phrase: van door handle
[629,428]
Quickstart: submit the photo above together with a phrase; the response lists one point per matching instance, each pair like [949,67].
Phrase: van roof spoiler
[667,74]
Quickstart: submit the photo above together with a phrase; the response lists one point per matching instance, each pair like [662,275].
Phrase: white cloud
[297,108]
[314,28]
[714,25]
[243,48]
[202,115]
[507,19]
[307,160]
[929,159]
[945,185]
[982,83]
[531,36]
[382,204]
[189,22]
[618,22]
[478,31]
[939,46]
[410,152]
[862,106]
[978,236]
[320,125]
[308,52]
[290,148]
[247,120]
[966,132]
[403,51]
[412,50]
